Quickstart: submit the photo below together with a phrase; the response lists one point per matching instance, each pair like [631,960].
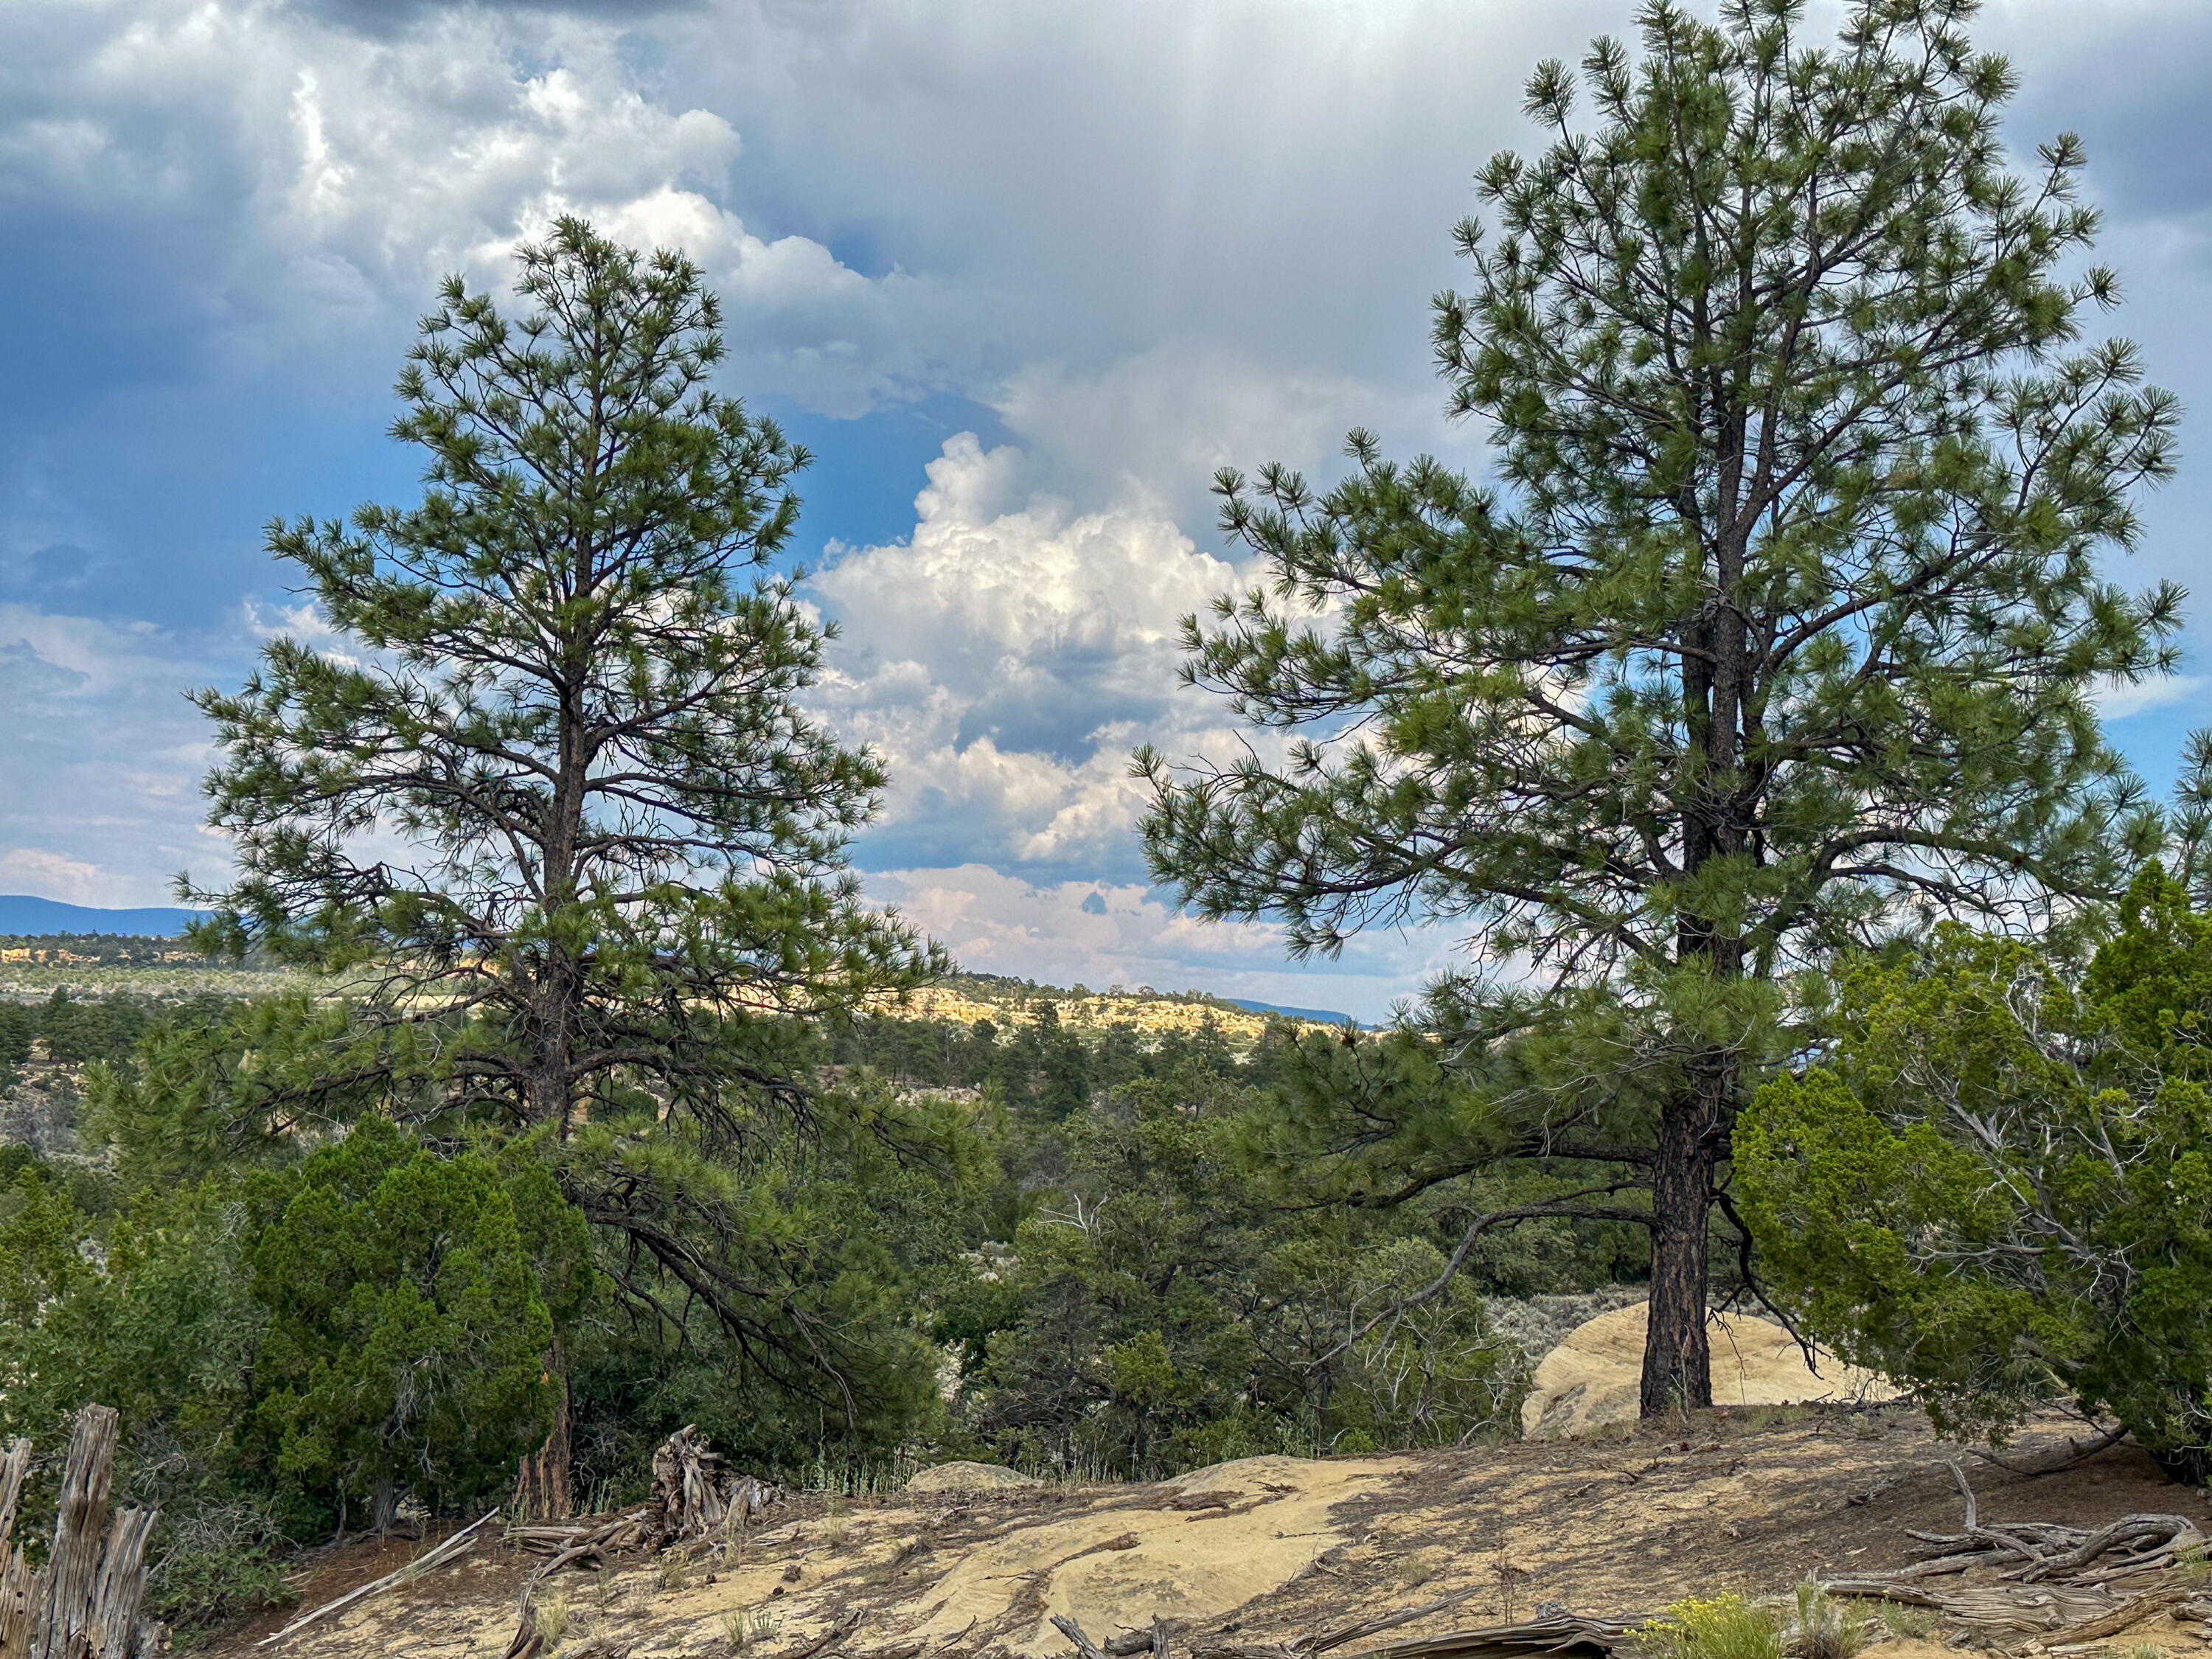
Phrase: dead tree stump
[694,1488]
[84,1602]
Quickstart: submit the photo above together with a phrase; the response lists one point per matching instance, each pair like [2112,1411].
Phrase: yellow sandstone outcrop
[1595,1375]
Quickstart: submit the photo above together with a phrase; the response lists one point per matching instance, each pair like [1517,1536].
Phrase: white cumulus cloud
[1005,658]
[348,172]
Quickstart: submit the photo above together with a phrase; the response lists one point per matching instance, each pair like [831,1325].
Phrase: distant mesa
[24,917]
[1319,1016]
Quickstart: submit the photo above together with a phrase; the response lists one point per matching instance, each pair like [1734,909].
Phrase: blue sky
[1022,276]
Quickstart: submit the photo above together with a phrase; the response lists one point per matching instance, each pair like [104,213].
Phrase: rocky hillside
[1255,1553]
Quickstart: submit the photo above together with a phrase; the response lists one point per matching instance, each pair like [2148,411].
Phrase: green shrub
[217,1564]
[1996,1187]
[1722,1627]
[407,1331]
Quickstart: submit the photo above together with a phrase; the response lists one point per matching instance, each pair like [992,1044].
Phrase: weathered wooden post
[84,1602]
[15,1580]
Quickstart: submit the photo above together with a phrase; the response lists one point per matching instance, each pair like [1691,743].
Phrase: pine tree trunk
[1677,1356]
[541,1487]
[383,1506]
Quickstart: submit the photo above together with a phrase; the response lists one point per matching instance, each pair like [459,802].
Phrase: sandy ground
[1269,1548]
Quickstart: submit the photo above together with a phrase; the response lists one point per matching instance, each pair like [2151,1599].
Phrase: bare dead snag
[541,1486]
[15,1468]
[696,1489]
[119,1586]
[17,1585]
[80,1528]
[84,1603]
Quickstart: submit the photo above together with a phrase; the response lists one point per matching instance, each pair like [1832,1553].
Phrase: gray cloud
[1152,238]
[98,723]
[386,18]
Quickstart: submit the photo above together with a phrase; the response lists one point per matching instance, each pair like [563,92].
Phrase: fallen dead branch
[1996,1609]
[1130,1643]
[1554,1630]
[2063,1589]
[450,1550]
[2148,1604]
[2076,1454]
[838,1631]
[2033,1552]
[695,1493]
[617,1534]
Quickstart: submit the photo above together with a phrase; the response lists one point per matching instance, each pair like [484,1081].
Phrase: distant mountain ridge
[24,916]
[1319,1016]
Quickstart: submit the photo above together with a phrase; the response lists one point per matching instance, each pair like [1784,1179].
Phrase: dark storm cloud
[1127,241]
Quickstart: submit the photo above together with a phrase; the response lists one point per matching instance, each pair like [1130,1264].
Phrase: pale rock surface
[969,1477]
[1595,1375]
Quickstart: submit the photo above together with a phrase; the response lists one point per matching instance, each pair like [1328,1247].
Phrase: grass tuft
[553,1619]
[1826,1627]
[1913,1624]
[747,1627]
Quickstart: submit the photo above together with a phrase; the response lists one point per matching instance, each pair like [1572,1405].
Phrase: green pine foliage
[1779,631]
[1996,1186]
[569,687]
[1159,1307]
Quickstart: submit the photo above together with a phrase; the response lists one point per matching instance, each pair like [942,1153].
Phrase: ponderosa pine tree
[1780,632]
[548,798]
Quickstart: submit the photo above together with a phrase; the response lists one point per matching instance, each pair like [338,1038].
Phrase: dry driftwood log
[1306,1647]
[2064,1579]
[615,1534]
[2033,1552]
[1553,1630]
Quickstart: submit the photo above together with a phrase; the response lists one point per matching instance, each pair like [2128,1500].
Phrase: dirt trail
[1271,1547]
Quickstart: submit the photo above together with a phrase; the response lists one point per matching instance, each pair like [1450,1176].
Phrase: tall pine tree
[547,798]
[1780,632]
